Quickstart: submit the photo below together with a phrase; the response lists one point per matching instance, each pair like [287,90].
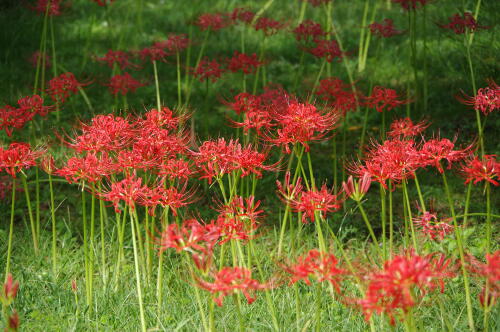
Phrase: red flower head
[246,63]
[302,123]
[38,57]
[229,281]
[155,52]
[9,291]
[255,119]
[130,190]
[431,226]
[90,168]
[242,15]
[176,43]
[171,197]
[14,118]
[163,119]
[289,191]
[121,58]
[16,157]
[62,86]
[319,265]
[486,169]
[357,190]
[411,4]
[384,99]
[34,104]
[268,25]
[123,84]
[308,30]
[51,7]
[486,100]
[175,169]
[238,219]
[104,3]
[213,21]
[13,322]
[394,289]
[338,94]
[207,69]
[460,24]
[385,29]
[405,128]
[491,272]
[328,49]
[435,150]
[316,201]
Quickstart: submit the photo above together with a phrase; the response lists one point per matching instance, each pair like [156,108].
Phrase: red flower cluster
[229,281]
[385,29]
[485,169]
[242,15]
[62,86]
[460,24]
[215,158]
[491,272]
[308,30]
[268,25]
[238,219]
[15,118]
[16,157]
[486,100]
[9,291]
[411,4]
[432,227]
[384,99]
[435,150]
[405,128]
[246,63]
[51,7]
[319,265]
[123,84]
[338,94]
[121,58]
[213,21]
[328,49]
[403,283]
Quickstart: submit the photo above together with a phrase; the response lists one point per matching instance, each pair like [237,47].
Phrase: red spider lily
[301,123]
[491,272]
[216,158]
[123,84]
[411,4]
[338,94]
[289,191]
[403,283]
[207,69]
[357,190]
[385,29]
[104,133]
[229,281]
[172,197]
[238,219]
[460,24]
[175,169]
[328,49]
[244,102]
[176,43]
[322,201]
[486,100]
[36,59]
[13,118]
[9,291]
[16,157]
[485,169]
[242,15]
[317,3]
[393,160]
[90,168]
[104,3]
[156,52]
[213,21]
[34,104]
[130,190]
[405,128]
[62,86]
[13,322]
[431,226]
[162,119]
[121,58]
[319,265]
[259,120]
[51,7]
[435,150]
[268,25]
[6,182]
[153,143]
[48,164]
[384,99]
[246,63]
[308,30]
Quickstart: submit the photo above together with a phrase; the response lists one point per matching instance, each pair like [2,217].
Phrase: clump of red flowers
[384,99]
[238,219]
[231,280]
[431,226]
[459,24]
[485,169]
[338,94]
[385,29]
[208,70]
[491,272]
[51,7]
[318,265]
[405,128]
[246,63]
[308,30]
[213,21]
[62,86]
[123,84]
[403,283]
[15,118]
[327,49]
[16,157]
[268,25]
[435,150]
[486,100]
[120,58]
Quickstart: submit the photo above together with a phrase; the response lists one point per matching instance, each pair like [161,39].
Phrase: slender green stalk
[383,217]
[302,12]
[30,213]
[466,207]
[102,219]
[54,230]
[137,273]
[410,219]
[11,229]
[316,81]
[369,226]
[488,217]
[159,280]
[420,196]
[157,85]
[88,288]
[37,205]
[391,219]
[54,61]
[179,84]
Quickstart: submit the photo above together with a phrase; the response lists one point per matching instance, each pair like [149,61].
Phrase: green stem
[11,228]
[137,273]
[488,217]
[30,213]
[391,219]
[179,87]
[157,85]
[54,230]
[369,226]
[410,219]
[383,219]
